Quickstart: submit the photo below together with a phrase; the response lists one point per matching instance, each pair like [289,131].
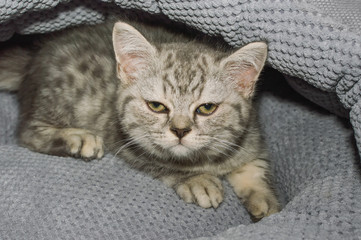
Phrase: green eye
[157,107]
[206,109]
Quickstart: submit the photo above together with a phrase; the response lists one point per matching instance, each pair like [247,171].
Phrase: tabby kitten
[175,108]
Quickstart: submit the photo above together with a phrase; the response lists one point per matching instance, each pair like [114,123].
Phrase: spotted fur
[87,90]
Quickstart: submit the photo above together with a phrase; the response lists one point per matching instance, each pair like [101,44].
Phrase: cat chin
[180,150]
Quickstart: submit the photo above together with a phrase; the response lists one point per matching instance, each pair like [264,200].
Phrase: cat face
[183,114]
[184,100]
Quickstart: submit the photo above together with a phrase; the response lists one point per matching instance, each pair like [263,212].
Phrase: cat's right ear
[134,54]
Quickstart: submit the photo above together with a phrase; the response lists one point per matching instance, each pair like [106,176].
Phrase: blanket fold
[315,155]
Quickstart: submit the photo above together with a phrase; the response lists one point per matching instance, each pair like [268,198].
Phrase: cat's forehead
[186,70]
[185,76]
[188,58]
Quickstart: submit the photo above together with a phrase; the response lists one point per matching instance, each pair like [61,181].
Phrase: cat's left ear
[243,67]
[134,54]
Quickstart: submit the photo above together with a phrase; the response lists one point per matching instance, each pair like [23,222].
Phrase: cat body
[176,108]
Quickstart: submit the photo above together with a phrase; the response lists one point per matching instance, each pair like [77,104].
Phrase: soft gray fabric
[316,40]
[345,11]
[327,100]
[316,163]
[314,158]
[317,172]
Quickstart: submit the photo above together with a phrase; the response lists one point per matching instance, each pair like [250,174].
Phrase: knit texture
[317,166]
[316,40]
[346,12]
[314,159]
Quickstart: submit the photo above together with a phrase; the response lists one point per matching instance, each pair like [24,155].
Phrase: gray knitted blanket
[315,154]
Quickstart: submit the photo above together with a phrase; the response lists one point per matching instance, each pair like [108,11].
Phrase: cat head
[184,100]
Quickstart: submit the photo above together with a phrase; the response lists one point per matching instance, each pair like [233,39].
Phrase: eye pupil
[157,107]
[206,109]
[208,106]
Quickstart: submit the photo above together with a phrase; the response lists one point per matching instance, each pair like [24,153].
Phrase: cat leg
[204,189]
[251,184]
[73,142]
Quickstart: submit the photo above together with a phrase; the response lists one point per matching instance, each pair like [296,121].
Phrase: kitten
[171,106]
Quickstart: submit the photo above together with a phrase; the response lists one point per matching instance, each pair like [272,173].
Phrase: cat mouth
[180,150]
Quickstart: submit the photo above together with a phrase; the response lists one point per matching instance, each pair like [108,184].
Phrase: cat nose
[180,132]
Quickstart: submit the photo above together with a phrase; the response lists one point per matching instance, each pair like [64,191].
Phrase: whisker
[219,151]
[133,141]
[226,143]
[231,146]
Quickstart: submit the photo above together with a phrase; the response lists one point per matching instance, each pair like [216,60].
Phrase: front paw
[260,205]
[205,190]
[82,143]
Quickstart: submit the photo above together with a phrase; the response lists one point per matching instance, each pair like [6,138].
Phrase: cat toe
[92,147]
[82,144]
[260,206]
[204,190]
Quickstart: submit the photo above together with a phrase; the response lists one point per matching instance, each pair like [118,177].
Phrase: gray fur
[13,62]
[80,96]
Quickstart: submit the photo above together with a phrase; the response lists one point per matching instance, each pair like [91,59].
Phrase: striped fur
[87,91]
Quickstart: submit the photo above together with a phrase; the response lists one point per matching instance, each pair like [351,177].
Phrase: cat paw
[261,205]
[205,190]
[82,143]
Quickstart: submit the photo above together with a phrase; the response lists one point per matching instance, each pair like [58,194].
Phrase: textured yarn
[314,159]
[346,11]
[317,43]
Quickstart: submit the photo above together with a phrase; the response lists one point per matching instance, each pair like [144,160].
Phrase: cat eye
[206,109]
[157,107]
